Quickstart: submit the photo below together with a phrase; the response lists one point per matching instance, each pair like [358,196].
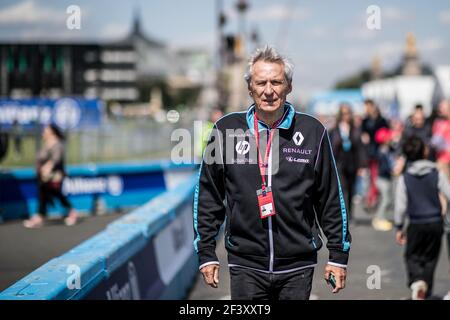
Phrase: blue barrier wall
[109,186]
[147,254]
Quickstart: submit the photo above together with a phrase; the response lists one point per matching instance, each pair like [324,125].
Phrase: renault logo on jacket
[298,138]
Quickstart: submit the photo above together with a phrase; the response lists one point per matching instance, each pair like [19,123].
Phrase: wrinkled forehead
[268,70]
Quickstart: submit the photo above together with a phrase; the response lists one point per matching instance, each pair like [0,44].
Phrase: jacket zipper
[314,242]
[269,184]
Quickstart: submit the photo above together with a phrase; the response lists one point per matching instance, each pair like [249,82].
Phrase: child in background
[417,196]
[384,180]
[447,231]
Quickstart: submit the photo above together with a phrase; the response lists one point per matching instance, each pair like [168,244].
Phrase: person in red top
[370,125]
[441,137]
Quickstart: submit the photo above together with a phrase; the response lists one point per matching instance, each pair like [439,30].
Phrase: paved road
[23,250]
[369,248]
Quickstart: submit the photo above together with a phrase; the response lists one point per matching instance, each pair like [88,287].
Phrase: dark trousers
[47,193]
[448,244]
[422,252]
[247,284]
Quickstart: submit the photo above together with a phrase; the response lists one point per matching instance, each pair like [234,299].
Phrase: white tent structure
[443,78]
[398,96]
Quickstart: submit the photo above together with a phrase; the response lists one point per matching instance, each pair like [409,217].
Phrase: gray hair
[269,54]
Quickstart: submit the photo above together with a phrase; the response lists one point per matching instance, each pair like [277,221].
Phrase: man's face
[268,86]
[418,119]
[346,114]
[370,109]
[444,107]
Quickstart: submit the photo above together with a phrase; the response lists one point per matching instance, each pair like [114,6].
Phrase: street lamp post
[242,7]
[220,55]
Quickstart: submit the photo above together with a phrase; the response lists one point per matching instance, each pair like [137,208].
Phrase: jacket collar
[285,123]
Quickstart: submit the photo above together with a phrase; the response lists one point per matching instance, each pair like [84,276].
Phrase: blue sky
[326,40]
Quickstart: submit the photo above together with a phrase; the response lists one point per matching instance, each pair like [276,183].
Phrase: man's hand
[211,274]
[400,237]
[339,273]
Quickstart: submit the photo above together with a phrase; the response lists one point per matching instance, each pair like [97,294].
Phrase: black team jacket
[306,190]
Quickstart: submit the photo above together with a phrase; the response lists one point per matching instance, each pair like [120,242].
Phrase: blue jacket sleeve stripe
[345,244]
[196,193]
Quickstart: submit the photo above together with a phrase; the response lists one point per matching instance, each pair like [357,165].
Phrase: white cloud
[31,20]
[444,17]
[318,31]
[388,50]
[270,13]
[432,44]
[395,14]
[278,12]
[28,12]
[360,33]
[359,30]
[353,53]
[361,56]
[205,40]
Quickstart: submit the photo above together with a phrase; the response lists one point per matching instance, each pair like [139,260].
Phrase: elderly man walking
[270,173]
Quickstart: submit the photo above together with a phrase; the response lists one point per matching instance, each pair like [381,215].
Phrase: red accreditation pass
[265,203]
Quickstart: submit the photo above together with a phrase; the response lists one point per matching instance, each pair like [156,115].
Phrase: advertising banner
[67,113]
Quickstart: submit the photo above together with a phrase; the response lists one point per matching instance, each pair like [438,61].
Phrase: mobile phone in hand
[332,280]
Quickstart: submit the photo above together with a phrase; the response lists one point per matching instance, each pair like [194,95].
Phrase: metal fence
[114,140]
[122,140]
